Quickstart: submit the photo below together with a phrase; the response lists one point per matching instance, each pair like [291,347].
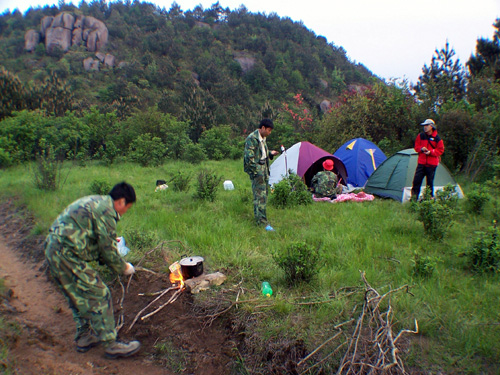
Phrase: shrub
[424,266]
[208,184]
[484,254]
[435,215]
[476,199]
[147,150]
[100,187]
[194,153]
[299,261]
[46,171]
[180,182]
[290,191]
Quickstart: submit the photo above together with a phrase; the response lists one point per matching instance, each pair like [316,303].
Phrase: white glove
[129,269]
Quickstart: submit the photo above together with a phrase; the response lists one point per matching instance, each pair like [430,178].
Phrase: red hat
[328,164]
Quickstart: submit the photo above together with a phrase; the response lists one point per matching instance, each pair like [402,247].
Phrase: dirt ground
[173,341]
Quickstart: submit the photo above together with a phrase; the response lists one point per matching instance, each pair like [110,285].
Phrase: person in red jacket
[430,147]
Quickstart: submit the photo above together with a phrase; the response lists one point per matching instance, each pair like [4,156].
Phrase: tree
[443,80]
[486,61]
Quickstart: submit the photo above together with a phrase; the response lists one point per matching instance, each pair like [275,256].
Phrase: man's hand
[274,152]
[129,269]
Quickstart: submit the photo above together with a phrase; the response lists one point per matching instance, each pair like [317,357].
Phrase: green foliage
[217,142]
[47,170]
[180,182]
[374,113]
[140,240]
[477,197]
[299,261]
[444,80]
[289,192]
[435,215]
[208,185]
[484,253]
[194,153]
[424,266]
[147,150]
[100,186]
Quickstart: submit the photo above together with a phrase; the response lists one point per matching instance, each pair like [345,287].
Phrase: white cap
[430,122]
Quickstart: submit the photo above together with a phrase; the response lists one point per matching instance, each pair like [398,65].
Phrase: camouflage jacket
[324,184]
[253,154]
[87,230]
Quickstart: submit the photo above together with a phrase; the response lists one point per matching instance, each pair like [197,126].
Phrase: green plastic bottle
[266,289]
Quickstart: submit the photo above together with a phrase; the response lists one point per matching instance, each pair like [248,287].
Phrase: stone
[109,60]
[57,37]
[91,65]
[31,40]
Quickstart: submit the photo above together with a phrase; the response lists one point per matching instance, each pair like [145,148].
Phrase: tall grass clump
[47,170]
[208,185]
[299,261]
[484,254]
[424,265]
[180,182]
[289,192]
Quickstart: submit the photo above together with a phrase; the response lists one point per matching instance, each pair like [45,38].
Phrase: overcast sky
[392,38]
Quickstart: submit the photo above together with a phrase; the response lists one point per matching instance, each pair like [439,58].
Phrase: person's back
[324,184]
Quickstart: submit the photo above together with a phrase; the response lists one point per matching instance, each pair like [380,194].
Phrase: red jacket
[434,144]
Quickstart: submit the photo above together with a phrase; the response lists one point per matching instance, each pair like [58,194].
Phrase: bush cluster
[299,261]
[289,192]
[484,254]
[208,186]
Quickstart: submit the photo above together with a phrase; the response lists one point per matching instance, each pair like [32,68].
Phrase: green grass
[457,311]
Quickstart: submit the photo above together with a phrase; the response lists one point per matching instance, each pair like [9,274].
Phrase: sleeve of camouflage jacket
[105,229]
[251,155]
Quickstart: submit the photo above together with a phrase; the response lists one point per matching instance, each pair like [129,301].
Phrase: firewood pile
[372,348]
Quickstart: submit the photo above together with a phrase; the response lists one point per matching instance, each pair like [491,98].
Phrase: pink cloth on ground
[355,197]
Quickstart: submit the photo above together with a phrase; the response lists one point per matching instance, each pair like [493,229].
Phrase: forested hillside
[213,66]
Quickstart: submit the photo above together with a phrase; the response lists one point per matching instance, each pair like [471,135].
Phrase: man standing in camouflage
[86,232]
[325,183]
[256,164]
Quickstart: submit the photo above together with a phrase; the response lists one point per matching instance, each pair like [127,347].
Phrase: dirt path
[45,345]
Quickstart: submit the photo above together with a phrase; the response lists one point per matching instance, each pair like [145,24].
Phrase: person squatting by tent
[429,147]
[325,183]
[256,165]
[84,232]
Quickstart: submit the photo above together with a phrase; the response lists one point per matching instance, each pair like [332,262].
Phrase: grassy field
[457,311]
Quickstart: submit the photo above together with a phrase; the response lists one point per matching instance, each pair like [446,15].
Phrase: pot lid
[191,261]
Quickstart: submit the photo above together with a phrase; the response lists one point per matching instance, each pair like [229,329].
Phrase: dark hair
[267,122]
[123,190]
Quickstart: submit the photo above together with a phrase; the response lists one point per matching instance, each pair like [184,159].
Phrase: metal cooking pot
[191,267]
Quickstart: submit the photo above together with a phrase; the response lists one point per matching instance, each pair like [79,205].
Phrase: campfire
[176,275]
[179,283]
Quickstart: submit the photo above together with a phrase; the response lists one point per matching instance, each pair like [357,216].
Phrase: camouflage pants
[88,297]
[260,189]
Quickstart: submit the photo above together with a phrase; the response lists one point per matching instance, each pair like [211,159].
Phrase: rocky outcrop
[91,65]
[246,62]
[109,60]
[65,30]
[31,40]
[325,106]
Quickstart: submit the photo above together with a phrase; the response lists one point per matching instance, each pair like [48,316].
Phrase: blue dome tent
[361,158]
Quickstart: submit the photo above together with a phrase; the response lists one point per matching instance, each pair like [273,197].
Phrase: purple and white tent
[305,160]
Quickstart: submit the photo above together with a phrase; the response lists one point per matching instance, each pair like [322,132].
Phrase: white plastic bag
[122,247]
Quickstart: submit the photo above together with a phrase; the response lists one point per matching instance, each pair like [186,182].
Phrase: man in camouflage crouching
[325,183]
[86,232]
[256,164]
